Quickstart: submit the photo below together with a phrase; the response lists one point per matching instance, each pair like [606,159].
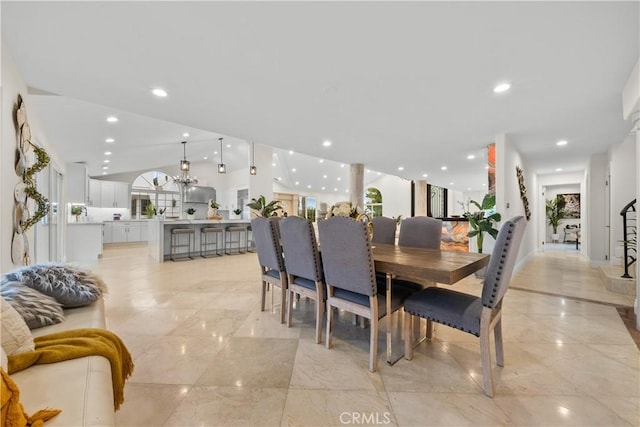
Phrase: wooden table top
[427,264]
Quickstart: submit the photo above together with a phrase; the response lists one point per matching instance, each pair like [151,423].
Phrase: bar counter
[160,234]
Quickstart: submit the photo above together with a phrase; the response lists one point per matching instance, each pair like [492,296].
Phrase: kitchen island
[160,234]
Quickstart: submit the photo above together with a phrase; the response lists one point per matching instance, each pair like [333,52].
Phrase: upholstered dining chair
[304,267]
[420,232]
[349,272]
[468,313]
[384,230]
[266,236]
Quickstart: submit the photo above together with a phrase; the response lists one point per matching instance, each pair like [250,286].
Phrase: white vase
[190,217]
[212,212]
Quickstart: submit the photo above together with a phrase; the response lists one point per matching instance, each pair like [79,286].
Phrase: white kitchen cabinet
[114,194]
[95,193]
[107,232]
[77,183]
[127,231]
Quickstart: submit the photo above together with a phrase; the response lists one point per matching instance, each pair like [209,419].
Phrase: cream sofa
[81,388]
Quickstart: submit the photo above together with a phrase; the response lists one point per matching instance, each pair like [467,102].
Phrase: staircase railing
[630,233]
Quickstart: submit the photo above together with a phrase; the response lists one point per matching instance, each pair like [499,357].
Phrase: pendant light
[222,168]
[253,170]
[185,165]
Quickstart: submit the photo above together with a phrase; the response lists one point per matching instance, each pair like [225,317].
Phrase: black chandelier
[184,178]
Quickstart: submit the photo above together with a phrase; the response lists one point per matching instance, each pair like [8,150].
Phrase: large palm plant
[262,208]
[482,221]
[556,211]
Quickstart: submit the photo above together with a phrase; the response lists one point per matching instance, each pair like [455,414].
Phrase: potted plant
[150,211]
[190,212]
[556,212]
[260,207]
[237,212]
[482,221]
[76,211]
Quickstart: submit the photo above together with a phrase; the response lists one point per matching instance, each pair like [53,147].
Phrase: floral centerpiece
[347,210]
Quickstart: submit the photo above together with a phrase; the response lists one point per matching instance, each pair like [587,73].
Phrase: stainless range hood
[199,194]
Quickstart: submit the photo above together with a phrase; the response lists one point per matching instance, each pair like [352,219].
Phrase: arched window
[157,188]
[373,202]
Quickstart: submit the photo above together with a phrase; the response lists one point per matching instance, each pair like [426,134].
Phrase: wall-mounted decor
[491,169]
[571,205]
[26,166]
[523,192]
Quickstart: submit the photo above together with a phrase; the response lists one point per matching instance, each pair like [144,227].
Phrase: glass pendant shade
[222,168]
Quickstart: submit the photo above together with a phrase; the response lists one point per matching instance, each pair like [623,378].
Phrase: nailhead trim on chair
[503,256]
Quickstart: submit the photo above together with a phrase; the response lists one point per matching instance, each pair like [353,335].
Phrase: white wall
[508,201]
[396,195]
[622,185]
[12,85]
[597,205]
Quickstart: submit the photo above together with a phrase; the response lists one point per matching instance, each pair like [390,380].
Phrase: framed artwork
[572,205]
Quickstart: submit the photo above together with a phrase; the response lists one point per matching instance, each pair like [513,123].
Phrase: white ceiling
[389,83]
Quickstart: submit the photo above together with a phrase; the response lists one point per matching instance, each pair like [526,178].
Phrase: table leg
[391,358]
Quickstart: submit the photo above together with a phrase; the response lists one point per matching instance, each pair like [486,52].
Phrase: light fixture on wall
[185,165]
[253,170]
[222,168]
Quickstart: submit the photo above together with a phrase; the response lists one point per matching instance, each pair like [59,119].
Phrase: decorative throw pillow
[70,286]
[4,362]
[16,337]
[36,309]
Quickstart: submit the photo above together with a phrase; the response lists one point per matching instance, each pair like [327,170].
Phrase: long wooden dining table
[422,264]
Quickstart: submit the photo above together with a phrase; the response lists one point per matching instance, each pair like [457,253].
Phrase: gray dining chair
[384,230]
[468,313]
[304,266]
[349,273]
[420,232]
[267,240]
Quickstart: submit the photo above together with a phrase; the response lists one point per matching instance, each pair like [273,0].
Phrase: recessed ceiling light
[308,186]
[293,170]
[502,87]
[279,178]
[339,179]
[444,168]
[471,157]
[368,171]
[326,143]
[321,160]
[228,145]
[323,188]
[112,119]
[347,191]
[109,140]
[484,185]
[290,151]
[324,176]
[160,93]
[205,157]
[185,135]
[335,189]
[106,161]
[486,167]
[558,169]
[105,167]
[424,175]
[104,173]
[468,188]
[342,165]
[107,153]
[562,142]
[297,183]
[379,173]
[400,168]
[215,152]
[451,183]
[273,164]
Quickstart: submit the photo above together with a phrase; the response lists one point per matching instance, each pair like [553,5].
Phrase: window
[157,188]
[373,202]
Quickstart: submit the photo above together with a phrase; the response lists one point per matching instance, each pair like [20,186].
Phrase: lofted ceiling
[390,84]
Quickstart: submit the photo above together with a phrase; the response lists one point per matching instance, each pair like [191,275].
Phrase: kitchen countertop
[85,223]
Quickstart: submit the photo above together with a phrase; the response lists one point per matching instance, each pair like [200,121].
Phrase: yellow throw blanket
[77,343]
[13,414]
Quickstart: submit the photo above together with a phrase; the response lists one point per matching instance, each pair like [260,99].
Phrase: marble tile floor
[206,355]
